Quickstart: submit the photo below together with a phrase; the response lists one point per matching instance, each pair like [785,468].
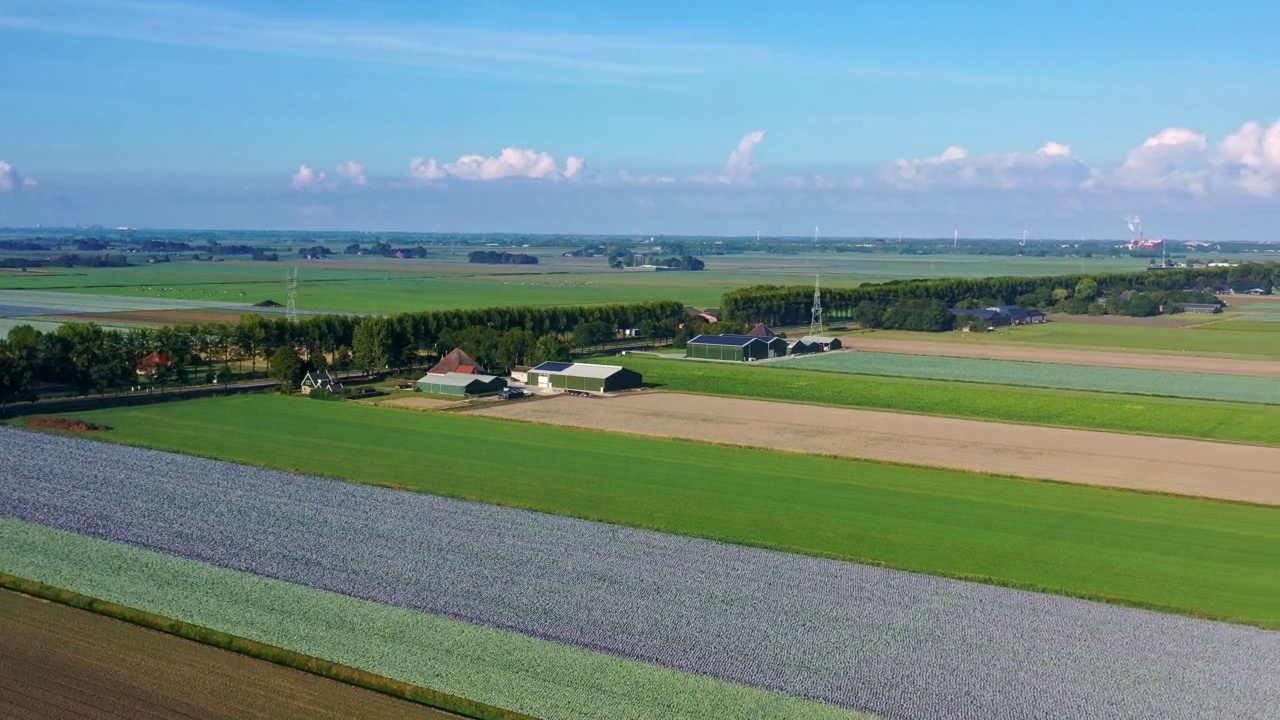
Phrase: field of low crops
[497,667]
[1035,374]
[1213,338]
[861,637]
[1180,554]
[1209,420]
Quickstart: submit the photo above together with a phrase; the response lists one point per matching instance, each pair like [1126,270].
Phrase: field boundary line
[262,651]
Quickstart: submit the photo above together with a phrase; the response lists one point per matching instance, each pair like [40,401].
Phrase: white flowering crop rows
[536,677]
[870,639]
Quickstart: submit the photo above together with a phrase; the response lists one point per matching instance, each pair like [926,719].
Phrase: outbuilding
[823,342]
[460,384]
[320,380]
[584,376]
[740,348]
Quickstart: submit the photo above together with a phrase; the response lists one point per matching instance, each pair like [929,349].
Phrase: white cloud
[1250,159]
[308,178]
[1053,165]
[1171,160]
[11,181]
[741,168]
[353,171]
[512,162]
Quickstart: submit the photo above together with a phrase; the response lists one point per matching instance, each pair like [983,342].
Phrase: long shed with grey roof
[586,377]
[456,383]
[735,347]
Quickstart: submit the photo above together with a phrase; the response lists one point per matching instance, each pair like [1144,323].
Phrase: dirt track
[1187,467]
[59,662]
[1258,368]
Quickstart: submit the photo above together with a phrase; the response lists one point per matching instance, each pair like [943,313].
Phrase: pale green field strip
[497,667]
[1166,383]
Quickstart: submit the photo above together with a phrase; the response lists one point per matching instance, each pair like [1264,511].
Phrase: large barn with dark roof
[735,347]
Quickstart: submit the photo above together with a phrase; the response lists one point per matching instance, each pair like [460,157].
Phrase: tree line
[88,358]
[915,302]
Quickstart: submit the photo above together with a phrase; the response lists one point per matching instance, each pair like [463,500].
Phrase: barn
[461,384]
[802,347]
[735,347]
[584,376]
[823,342]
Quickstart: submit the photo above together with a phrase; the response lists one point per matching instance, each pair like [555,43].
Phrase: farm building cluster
[760,343]
[1003,315]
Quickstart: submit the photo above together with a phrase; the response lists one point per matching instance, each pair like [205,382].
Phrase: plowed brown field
[1260,368]
[1188,467]
[59,662]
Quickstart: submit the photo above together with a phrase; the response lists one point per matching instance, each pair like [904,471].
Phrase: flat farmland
[1174,553]
[1219,338]
[1163,383]
[1187,467]
[1176,417]
[1062,356]
[59,662]
[863,638]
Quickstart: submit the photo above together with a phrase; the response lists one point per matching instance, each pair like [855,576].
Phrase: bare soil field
[59,662]
[1182,363]
[419,403]
[1187,467]
[1175,321]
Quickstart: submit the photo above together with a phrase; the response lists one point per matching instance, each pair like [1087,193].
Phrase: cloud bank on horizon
[1174,161]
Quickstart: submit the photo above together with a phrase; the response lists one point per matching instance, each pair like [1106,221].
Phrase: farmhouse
[1003,315]
[456,361]
[762,331]
[583,376]
[321,380]
[154,364]
[460,383]
[823,342]
[735,347]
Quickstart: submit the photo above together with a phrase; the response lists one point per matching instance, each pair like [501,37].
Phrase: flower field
[860,637]
[498,667]
[1034,374]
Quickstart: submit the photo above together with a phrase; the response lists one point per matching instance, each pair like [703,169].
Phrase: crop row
[865,638]
[501,668]
[1066,377]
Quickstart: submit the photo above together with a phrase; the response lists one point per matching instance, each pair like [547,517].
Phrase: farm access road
[1139,462]
[60,662]
[1140,361]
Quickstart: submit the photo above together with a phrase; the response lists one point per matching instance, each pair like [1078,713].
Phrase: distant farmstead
[584,376]
[460,383]
[823,342]
[740,348]
[1003,315]
[321,380]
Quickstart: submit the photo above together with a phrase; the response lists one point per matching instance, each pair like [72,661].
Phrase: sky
[859,118]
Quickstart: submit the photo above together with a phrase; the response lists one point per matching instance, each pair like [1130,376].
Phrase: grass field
[504,669]
[1036,374]
[444,281]
[1229,338]
[1203,419]
[1184,555]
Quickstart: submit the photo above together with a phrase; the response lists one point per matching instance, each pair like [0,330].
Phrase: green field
[446,281]
[1177,554]
[1204,386]
[1203,419]
[1220,338]
[500,668]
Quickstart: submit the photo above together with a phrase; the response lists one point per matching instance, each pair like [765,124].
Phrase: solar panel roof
[551,366]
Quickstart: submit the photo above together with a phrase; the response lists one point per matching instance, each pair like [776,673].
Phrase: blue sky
[643,117]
